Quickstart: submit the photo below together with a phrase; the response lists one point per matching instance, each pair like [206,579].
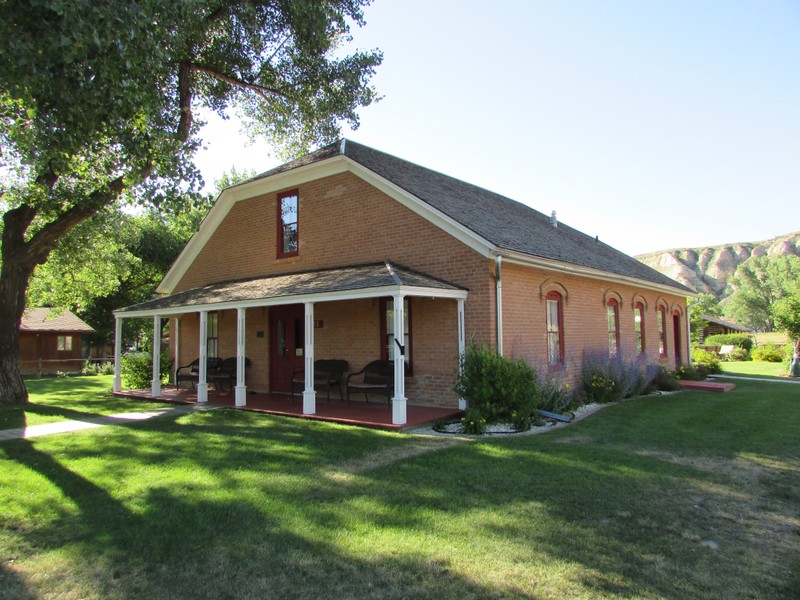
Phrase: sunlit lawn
[693,495]
[56,399]
[754,369]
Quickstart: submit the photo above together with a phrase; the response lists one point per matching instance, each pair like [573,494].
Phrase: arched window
[555,329]
[638,326]
[662,331]
[612,312]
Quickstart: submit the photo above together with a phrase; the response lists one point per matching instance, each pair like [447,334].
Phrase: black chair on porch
[376,377]
[328,372]
[191,372]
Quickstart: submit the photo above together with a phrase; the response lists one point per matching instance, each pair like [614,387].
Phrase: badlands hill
[710,269]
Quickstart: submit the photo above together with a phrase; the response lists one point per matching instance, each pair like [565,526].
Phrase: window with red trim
[555,329]
[612,312]
[662,332]
[638,326]
[388,346]
[288,232]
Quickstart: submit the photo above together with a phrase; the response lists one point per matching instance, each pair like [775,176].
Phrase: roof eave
[556,266]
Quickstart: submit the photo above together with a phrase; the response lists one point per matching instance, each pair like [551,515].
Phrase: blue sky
[652,125]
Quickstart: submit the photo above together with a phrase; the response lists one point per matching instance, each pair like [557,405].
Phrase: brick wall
[585,318]
[345,221]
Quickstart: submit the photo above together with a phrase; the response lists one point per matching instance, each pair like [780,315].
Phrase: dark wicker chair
[191,372]
[328,372]
[225,374]
[376,377]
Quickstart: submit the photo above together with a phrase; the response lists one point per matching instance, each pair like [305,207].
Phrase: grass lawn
[692,495]
[57,399]
[754,369]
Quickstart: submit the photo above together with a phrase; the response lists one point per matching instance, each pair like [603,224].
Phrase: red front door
[287,337]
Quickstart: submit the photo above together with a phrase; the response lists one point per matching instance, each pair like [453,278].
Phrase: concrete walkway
[746,378]
[93,422]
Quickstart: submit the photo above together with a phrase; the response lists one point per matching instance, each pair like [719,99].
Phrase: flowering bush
[473,422]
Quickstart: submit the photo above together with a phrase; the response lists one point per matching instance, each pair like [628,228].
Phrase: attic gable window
[288,233]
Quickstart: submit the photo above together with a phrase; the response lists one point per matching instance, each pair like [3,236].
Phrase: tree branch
[260,90]
[185,101]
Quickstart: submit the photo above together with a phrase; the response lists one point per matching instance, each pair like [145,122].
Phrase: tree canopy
[767,293]
[98,104]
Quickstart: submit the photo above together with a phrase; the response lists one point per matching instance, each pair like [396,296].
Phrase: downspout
[689,332]
[498,277]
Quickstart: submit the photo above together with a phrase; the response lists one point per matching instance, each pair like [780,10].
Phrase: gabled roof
[727,324]
[54,320]
[486,221]
[371,280]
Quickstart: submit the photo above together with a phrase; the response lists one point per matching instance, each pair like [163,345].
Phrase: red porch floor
[366,414]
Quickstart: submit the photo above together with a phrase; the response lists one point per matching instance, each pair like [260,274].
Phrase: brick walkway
[93,422]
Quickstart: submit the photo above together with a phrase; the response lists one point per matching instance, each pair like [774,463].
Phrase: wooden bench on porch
[376,377]
[328,372]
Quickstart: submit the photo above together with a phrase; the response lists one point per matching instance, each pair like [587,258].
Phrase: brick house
[51,340]
[355,254]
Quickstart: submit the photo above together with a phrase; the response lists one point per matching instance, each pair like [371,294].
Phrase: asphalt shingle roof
[54,320]
[296,284]
[504,222]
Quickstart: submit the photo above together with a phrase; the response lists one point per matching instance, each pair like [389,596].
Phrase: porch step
[706,386]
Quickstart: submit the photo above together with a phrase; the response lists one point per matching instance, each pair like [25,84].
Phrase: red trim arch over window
[554,307]
[612,312]
[638,327]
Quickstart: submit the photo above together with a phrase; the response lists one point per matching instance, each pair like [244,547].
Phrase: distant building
[718,326]
[51,340]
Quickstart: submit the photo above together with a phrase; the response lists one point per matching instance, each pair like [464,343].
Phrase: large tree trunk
[18,266]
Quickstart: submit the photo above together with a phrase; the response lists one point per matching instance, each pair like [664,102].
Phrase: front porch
[365,414]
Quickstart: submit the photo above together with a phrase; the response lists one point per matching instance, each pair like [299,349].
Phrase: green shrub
[137,370]
[89,368]
[768,353]
[496,386]
[708,359]
[662,380]
[697,372]
[740,340]
[738,355]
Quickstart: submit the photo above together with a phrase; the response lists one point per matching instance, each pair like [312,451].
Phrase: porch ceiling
[344,283]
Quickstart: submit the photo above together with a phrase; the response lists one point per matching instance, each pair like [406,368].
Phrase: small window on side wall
[555,329]
[638,326]
[612,312]
[64,343]
[662,331]
[288,221]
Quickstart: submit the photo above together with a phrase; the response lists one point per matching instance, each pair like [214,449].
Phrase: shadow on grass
[11,584]
[183,540]
[233,504]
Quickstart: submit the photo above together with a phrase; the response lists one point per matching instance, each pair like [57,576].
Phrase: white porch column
[202,384]
[117,354]
[177,334]
[399,400]
[462,344]
[309,394]
[155,386]
[241,388]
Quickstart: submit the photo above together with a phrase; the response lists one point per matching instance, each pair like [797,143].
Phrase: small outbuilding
[51,340]
[717,326]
